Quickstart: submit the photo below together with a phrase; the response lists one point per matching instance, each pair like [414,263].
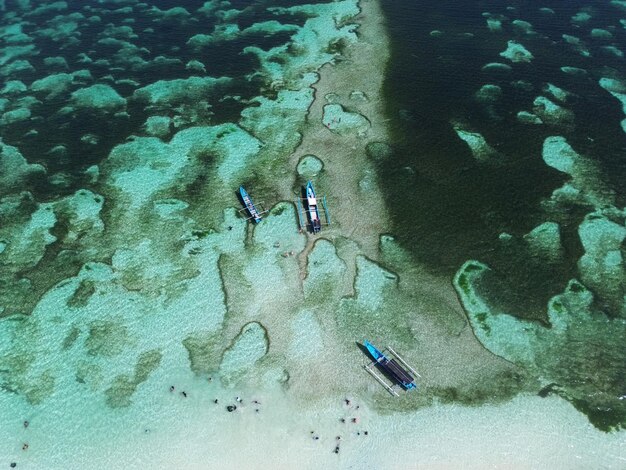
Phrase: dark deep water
[448,208]
[109,63]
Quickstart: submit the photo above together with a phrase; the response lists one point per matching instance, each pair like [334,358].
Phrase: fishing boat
[252,210]
[392,368]
[311,204]
[308,209]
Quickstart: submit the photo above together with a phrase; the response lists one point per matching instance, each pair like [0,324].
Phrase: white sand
[528,432]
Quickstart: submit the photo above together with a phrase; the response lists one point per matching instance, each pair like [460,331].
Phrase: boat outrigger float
[250,207]
[392,368]
[312,210]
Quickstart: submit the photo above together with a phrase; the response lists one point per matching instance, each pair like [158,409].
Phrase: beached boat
[252,210]
[311,204]
[308,209]
[393,369]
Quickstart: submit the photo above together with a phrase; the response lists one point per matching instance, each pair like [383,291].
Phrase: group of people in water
[233,407]
[229,408]
[354,420]
[24,445]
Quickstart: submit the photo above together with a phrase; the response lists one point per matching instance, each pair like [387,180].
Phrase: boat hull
[391,366]
[375,353]
[252,210]
[314,215]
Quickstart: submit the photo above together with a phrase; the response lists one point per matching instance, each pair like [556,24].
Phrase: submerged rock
[309,166]
[516,52]
[324,267]
[106,338]
[158,126]
[15,116]
[586,186]
[203,349]
[173,92]
[14,169]
[523,26]
[56,62]
[358,96]
[372,284]
[496,67]
[250,345]
[489,93]
[17,67]
[558,93]
[146,165]
[90,139]
[378,151]
[566,353]
[97,97]
[494,25]
[344,122]
[615,87]
[581,17]
[558,154]
[53,85]
[13,87]
[481,150]
[614,51]
[528,118]
[577,44]
[196,66]
[598,33]
[545,241]
[551,113]
[602,267]
[574,71]
[119,394]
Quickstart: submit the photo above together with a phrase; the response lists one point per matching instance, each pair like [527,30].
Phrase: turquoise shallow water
[127,267]
[129,275]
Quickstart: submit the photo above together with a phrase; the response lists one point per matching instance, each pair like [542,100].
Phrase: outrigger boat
[311,204]
[312,210]
[250,207]
[392,368]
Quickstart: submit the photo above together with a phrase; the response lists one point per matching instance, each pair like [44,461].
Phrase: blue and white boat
[311,204]
[393,369]
[252,210]
[309,212]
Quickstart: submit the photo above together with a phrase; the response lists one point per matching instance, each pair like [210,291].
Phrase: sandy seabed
[527,432]
[196,433]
